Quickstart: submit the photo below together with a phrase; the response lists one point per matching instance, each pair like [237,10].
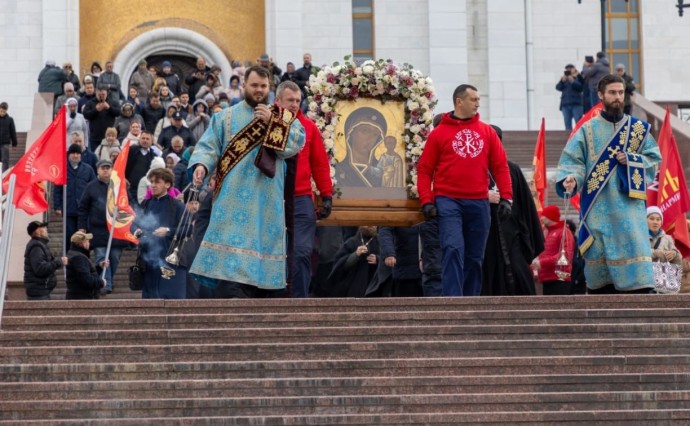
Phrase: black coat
[92,215]
[51,79]
[403,244]
[151,117]
[138,165]
[155,213]
[99,121]
[77,180]
[352,275]
[170,132]
[39,268]
[83,280]
[8,133]
[506,268]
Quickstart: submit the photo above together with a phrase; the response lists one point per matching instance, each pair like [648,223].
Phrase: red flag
[539,163]
[118,199]
[593,112]
[46,160]
[670,191]
[33,199]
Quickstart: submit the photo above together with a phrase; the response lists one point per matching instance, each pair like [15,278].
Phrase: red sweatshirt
[457,158]
[552,251]
[312,160]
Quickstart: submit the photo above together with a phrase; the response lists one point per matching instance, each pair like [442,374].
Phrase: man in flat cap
[39,263]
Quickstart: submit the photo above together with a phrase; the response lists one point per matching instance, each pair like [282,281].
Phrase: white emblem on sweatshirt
[468,143]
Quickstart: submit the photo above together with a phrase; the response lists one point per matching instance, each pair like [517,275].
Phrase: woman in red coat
[545,264]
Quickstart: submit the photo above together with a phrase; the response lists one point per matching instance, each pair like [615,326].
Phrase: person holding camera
[197,78]
[570,86]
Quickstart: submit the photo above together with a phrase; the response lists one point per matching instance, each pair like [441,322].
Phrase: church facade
[513,51]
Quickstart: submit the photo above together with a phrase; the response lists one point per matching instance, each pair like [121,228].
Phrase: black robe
[523,241]
[353,281]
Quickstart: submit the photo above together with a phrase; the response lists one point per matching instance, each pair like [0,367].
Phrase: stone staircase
[527,360]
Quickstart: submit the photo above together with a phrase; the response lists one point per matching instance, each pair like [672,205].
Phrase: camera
[566,73]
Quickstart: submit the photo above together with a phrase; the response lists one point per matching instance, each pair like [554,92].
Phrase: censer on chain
[180,238]
[562,263]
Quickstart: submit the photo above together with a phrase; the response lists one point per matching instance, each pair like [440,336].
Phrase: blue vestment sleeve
[573,162]
[210,146]
[295,141]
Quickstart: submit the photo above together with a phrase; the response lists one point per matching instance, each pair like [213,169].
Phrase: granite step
[113,321]
[332,386]
[306,350]
[373,334]
[62,369]
[637,417]
[292,306]
[343,404]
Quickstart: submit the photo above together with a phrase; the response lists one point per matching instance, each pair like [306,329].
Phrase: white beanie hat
[657,210]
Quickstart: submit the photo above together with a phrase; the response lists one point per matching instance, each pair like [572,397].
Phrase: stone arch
[174,41]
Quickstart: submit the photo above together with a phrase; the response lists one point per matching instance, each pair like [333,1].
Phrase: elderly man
[111,81]
[175,129]
[75,120]
[69,92]
[83,280]
[142,80]
[39,263]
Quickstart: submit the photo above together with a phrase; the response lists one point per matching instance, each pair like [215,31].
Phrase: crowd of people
[579,91]
[222,177]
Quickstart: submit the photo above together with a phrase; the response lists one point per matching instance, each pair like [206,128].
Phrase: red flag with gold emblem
[118,210]
[45,160]
[670,190]
[539,163]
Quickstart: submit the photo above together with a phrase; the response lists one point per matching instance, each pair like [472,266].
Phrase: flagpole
[64,227]
[5,243]
[110,239]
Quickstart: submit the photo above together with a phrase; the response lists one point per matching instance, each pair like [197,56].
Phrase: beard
[613,108]
[253,103]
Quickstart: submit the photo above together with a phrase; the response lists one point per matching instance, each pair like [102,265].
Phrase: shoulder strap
[657,244]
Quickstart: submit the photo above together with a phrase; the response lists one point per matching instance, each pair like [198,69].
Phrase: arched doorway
[170,42]
[182,65]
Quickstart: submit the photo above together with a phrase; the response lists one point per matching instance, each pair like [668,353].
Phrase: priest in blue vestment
[609,162]
[243,149]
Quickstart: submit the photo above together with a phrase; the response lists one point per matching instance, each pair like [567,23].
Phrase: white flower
[332,172]
[427,116]
[416,151]
[328,143]
[325,107]
[330,128]
[417,139]
[313,106]
[358,71]
[415,128]
[412,105]
[367,69]
[346,91]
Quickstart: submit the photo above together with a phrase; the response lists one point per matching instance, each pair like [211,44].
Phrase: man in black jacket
[101,113]
[92,219]
[152,112]
[8,136]
[83,280]
[39,263]
[138,164]
[303,74]
[176,129]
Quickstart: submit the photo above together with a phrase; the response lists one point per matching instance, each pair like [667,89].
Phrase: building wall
[236,26]
[402,32]
[32,32]
[665,51]
[559,38]
[320,27]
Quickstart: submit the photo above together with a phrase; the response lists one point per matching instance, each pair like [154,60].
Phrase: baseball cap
[80,236]
[33,226]
[264,57]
